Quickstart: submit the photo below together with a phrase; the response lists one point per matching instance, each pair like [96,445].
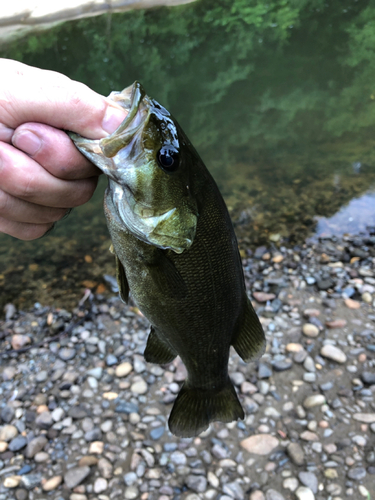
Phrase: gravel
[85,417]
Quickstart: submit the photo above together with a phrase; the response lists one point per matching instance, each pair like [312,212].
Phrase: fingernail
[112,119]
[27,141]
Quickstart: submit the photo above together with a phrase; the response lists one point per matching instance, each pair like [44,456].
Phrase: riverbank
[84,417]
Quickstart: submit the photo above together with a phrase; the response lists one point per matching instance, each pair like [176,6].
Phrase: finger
[56,100]
[54,150]
[22,177]
[23,231]
[16,210]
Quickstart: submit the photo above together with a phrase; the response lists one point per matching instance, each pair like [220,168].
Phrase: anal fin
[157,351]
[249,339]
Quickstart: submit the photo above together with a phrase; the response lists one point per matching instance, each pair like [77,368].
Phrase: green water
[277,97]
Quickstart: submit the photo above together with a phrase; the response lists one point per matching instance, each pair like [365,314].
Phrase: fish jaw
[167,230]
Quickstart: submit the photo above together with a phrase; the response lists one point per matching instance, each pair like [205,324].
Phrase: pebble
[35,446]
[303,493]
[260,444]
[296,453]
[52,484]
[272,494]
[66,353]
[123,369]
[12,481]
[100,485]
[368,418]
[334,353]
[20,341]
[74,476]
[309,480]
[314,400]
[8,432]
[310,330]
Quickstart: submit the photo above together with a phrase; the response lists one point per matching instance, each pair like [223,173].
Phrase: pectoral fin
[122,281]
[249,340]
[167,277]
[157,351]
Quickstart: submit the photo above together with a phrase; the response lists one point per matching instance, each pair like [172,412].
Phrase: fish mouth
[130,99]
[102,151]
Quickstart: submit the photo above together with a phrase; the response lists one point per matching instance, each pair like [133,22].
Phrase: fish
[177,254]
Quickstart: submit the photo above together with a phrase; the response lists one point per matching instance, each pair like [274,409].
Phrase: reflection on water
[355,217]
[278,98]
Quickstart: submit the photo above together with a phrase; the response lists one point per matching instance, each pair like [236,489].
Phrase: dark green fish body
[184,273]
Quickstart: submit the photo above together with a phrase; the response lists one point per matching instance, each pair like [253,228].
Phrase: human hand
[42,174]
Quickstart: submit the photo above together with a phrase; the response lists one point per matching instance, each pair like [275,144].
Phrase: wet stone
[368,377]
[30,481]
[334,353]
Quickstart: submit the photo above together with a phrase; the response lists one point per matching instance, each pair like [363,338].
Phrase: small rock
[314,400]
[87,460]
[17,443]
[75,476]
[367,418]
[44,420]
[12,481]
[96,447]
[35,446]
[272,494]
[368,378]
[264,371]
[139,387]
[196,483]
[123,369]
[8,432]
[352,304]
[7,414]
[309,480]
[30,481]
[20,341]
[296,453]
[310,330]
[52,484]
[263,297]
[66,353]
[157,433]
[357,473]
[100,485]
[105,468]
[336,323]
[260,444]
[331,352]
[303,493]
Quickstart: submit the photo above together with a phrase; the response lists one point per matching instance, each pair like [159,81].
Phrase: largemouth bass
[177,254]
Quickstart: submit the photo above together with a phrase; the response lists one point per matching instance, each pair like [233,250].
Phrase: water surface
[278,99]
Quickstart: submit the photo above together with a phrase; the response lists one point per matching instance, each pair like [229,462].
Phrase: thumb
[29,94]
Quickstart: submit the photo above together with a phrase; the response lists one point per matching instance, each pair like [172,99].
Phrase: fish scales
[177,254]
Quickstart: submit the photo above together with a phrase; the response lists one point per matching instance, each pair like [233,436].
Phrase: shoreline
[84,416]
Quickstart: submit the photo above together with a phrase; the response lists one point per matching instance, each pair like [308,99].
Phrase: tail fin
[194,409]
[249,339]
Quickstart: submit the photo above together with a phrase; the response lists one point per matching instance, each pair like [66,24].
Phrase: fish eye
[168,159]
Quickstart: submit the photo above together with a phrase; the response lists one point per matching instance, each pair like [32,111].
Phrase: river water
[278,98]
